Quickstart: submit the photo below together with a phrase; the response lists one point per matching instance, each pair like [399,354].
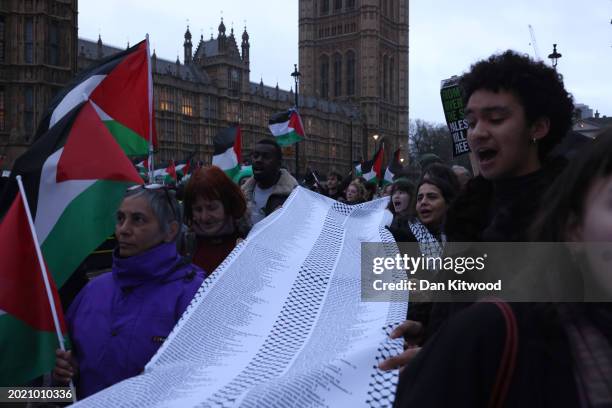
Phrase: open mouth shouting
[486,156]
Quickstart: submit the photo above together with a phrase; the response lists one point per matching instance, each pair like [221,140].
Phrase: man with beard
[268,178]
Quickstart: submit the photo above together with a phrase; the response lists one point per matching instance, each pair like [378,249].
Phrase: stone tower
[38,55]
[356,51]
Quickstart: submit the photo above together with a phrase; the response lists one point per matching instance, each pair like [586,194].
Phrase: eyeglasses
[157,187]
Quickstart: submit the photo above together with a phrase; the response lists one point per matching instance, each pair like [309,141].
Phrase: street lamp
[296,77]
[375,137]
[554,56]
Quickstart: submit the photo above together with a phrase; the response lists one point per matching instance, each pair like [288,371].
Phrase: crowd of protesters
[456,354]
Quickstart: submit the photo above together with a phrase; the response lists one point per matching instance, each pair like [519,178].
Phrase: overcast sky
[446,37]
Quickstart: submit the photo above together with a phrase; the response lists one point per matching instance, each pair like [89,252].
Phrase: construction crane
[533,43]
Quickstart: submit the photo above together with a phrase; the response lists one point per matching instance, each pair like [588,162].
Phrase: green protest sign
[453,112]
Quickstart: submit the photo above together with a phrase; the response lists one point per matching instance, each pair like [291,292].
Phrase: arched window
[337,75]
[350,4]
[324,6]
[337,5]
[324,77]
[350,73]
[385,71]
[392,90]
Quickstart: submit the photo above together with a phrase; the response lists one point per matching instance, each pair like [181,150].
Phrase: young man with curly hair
[517,111]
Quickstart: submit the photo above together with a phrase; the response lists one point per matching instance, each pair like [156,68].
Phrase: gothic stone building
[38,43]
[355,52]
[211,89]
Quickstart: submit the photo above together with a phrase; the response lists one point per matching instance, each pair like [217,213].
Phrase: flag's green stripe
[26,352]
[82,227]
[373,180]
[131,142]
[288,139]
[231,173]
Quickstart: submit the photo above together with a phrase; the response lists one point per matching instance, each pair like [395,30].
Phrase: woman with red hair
[215,210]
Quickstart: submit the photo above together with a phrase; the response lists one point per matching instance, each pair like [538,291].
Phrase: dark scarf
[502,210]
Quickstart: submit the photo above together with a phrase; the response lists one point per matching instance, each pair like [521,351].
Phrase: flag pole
[150,88]
[45,276]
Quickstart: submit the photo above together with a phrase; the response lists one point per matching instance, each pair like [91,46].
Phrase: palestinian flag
[183,169]
[75,176]
[393,168]
[143,169]
[120,89]
[228,150]
[286,127]
[170,176]
[371,170]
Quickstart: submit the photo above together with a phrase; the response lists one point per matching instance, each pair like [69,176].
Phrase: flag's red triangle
[238,145]
[127,83]
[22,290]
[377,165]
[171,169]
[91,152]
[295,122]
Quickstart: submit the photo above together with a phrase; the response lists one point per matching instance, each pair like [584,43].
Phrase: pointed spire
[222,28]
[187,34]
[245,35]
[100,53]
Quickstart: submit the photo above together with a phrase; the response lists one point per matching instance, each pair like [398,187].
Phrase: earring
[534,140]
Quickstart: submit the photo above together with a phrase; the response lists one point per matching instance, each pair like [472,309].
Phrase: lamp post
[554,56]
[375,137]
[296,77]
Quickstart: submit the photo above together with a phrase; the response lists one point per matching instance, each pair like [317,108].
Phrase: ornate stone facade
[38,42]
[356,52]
[212,89]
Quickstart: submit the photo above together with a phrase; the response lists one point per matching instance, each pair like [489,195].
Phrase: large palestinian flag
[120,89]
[228,150]
[75,176]
[371,170]
[393,169]
[286,127]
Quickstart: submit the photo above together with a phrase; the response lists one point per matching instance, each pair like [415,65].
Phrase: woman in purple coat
[120,319]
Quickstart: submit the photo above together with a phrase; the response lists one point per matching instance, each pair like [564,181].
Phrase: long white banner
[280,323]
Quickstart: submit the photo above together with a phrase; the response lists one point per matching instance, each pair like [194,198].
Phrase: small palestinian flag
[120,89]
[287,127]
[228,154]
[371,170]
[75,176]
[393,168]
[183,169]
[170,176]
[358,172]
[143,169]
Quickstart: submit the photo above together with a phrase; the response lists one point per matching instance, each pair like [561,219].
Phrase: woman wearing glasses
[215,210]
[120,319]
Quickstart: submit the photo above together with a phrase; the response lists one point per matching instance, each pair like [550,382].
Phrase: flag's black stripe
[366,167]
[104,67]
[280,117]
[29,165]
[224,139]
